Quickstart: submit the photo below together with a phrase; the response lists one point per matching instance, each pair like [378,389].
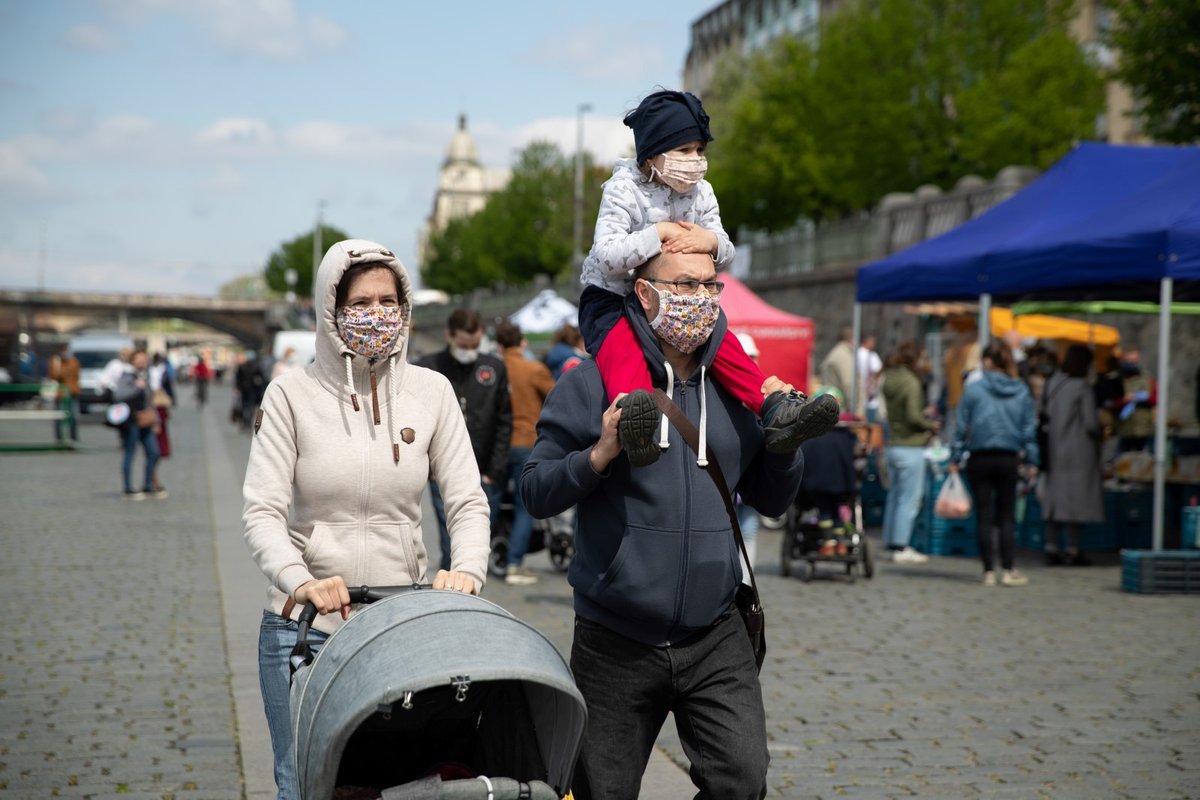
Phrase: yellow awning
[1041,326]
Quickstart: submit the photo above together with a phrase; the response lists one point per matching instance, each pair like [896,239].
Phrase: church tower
[464,185]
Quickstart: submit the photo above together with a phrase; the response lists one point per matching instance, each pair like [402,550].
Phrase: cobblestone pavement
[117,679]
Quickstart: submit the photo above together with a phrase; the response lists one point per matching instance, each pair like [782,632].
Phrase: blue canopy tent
[1105,222]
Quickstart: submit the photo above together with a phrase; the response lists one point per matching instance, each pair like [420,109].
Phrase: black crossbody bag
[748,603]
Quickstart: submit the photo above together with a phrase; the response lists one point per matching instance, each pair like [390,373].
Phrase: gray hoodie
[334,488]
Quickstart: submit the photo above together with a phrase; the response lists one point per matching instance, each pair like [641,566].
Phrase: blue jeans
[494,494]
[522,527]
[906,471]
[276,638]
[131,436]
[707,680]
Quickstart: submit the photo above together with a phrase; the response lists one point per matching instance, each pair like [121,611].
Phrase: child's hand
[775,384]
[694,239]
[668,231]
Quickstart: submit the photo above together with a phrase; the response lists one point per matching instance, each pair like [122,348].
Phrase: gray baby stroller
[424,685]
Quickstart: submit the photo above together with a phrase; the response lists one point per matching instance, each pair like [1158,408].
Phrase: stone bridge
[249,321]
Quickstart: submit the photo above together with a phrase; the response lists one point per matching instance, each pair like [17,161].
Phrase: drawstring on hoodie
[393,393]
[350,381]
[663,443]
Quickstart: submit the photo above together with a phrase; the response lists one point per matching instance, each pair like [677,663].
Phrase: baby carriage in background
[433,694]
[825,523]
[556,534]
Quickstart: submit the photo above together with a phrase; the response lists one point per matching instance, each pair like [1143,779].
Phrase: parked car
[94,351]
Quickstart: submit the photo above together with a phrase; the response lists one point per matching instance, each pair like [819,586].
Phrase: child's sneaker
[790,418]
[638,427]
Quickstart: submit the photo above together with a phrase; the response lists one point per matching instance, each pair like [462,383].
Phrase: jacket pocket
[642,580]
[331,550]
[712,576]
[391,557]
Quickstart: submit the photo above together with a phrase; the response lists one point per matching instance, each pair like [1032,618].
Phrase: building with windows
[744,26]
[464,185]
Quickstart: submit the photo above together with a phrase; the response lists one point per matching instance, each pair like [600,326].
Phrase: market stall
[784,340]
[1104,223]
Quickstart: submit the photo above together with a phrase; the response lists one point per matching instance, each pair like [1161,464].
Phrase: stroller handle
[302,654]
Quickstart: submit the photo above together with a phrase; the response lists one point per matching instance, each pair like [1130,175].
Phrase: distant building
[464,186]
[1091,27]
[744,26]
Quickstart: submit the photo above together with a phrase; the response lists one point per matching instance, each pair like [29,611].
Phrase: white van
[303,342]
[94,351]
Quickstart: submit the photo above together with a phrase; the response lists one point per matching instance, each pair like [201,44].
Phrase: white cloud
[604,51]
[605,137]
[271,29]
[91,38]
[17,172]
[241,136]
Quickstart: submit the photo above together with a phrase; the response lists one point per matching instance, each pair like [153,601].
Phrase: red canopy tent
[784,340]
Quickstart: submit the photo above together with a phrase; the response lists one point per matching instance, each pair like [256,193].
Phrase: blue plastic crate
[1189,525]
[873,497]
[1160,571]
[941,537]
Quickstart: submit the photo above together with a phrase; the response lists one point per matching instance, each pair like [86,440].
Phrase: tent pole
[1160,412]
[857,335]
[985,321]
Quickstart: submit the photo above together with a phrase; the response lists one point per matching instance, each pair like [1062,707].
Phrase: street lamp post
[577,249]
[318,244]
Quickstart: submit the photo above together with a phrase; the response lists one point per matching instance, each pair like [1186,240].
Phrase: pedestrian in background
[909,433]
[250,383]
[286,363]
[64,369]
[133,388]
[339,461]
[480,382]
[566,351]
[1074,481]
[870,372]
[837,368]
[162,396]
[1135,425]
[529,382]
[997,426]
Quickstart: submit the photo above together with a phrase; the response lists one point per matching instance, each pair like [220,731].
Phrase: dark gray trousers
[708,681]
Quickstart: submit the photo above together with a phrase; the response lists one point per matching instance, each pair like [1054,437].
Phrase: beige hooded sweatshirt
[342,452]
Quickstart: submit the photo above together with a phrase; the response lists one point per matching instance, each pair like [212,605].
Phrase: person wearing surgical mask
[480,382]
[342,451]
[660,203]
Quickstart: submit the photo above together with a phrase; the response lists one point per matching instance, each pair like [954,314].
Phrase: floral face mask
[370,331]
[685,321]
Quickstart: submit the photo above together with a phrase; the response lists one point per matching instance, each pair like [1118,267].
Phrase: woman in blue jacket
[997,426]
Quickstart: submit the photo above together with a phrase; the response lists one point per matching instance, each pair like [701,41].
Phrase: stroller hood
[456,649]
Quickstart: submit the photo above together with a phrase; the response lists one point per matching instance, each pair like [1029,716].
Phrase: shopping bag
[953,502]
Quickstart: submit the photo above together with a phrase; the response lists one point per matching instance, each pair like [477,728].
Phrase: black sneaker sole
[818,417]
[638,428]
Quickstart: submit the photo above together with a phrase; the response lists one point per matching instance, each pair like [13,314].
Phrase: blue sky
[168,146]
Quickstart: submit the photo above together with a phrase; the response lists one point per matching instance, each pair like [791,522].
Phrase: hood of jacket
[347,375]
[627,168]
[1002,385]
[331,350]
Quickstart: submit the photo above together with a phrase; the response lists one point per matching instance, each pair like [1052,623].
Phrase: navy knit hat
[665,120]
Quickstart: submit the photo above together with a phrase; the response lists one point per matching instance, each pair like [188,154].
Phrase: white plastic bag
[953,502]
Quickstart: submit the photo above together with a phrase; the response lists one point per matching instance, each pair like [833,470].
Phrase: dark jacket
[831,456]
[655,555]
[482,390]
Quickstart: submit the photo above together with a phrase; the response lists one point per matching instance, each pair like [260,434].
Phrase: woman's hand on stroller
[327,594]
[455,582]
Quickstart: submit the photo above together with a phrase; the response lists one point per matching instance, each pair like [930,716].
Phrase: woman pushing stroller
[342,451]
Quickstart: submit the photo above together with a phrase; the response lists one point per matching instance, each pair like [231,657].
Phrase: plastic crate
[1160,571]
[1190,526]
[873,497]
[945,537]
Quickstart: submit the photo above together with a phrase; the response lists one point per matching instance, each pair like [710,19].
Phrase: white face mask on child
[681,174]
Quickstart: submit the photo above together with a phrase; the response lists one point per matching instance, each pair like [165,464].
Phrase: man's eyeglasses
[689,287]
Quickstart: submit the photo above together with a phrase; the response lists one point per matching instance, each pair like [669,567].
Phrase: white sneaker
[989,579]
[519,576]
[1013,578]
[909,556]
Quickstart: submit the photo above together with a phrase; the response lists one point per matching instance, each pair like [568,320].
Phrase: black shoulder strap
[692,436]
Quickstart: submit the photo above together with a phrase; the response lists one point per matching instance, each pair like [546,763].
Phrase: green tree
[525,229]
[297,254]
[897,93]
[1159,44]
